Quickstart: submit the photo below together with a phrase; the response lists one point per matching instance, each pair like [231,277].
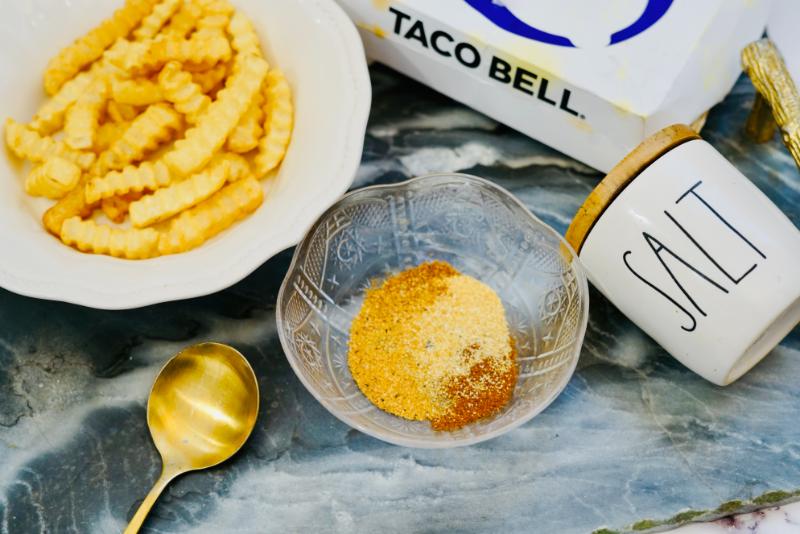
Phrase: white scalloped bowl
[317,47]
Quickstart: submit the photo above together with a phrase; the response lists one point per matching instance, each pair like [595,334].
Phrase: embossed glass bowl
[479,228]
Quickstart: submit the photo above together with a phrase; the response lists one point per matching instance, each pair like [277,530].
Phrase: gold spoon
[201,410]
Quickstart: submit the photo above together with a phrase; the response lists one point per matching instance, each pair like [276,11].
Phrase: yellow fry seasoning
[430,343]
[27,144]
[82,118]
[145,133]
[139,92]
[148,176]
[278,124]
[219,119]
[202,222]
[247,133]
[153,22]
[88,236]
[52,179]
[69,61]
[178,87]
[175,198]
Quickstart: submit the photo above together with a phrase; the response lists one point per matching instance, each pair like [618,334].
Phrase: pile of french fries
[163,118]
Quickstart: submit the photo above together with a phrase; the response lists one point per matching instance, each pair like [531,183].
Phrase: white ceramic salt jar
[693,253]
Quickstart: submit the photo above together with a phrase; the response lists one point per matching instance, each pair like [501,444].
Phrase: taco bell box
[589,78]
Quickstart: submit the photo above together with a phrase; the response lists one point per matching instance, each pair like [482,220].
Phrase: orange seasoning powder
[433,344]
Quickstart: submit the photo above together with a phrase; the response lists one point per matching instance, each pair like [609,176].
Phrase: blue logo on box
[502,17]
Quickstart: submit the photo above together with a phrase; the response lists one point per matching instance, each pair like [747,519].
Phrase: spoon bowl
[201,410]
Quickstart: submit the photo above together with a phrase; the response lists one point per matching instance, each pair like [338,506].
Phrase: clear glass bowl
[483,231]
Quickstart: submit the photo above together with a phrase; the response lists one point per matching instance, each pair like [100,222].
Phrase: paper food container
[589,78]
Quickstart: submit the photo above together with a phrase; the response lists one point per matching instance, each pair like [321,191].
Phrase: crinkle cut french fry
[202,222]
[123,95]
[215,18]
[278,124]
[50,116]
[153,22]
[247,133]
[107,133]
[238,169]
[196,53]
[121,113]
[73,204]
[138,92]
[178,87]
[212,78]
[83,117]
[125,54]
[218,121]
[70,60]
[52,179]
[184,21]
[148,176]
[243,38]
[175,198]
[145,133]
[27,144]
[116,208]
[88,236]
[107,66]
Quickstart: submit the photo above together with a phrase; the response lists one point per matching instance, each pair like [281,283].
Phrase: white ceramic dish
[317,47]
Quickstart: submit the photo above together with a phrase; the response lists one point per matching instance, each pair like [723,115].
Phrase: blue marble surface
[634,439]
[777,520]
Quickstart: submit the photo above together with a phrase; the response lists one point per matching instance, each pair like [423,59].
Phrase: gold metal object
[699,122]
[620,176]
[760,123]
[776,91]
[201,410]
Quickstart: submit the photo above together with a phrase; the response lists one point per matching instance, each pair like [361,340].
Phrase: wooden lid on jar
[620,176]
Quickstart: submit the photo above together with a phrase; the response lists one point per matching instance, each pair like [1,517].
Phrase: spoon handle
[148,502]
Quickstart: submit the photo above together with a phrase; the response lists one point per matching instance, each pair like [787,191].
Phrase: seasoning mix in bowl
[432,344]
[436,312]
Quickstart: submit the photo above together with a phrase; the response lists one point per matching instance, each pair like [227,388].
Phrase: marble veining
[636,441]
[776,520]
